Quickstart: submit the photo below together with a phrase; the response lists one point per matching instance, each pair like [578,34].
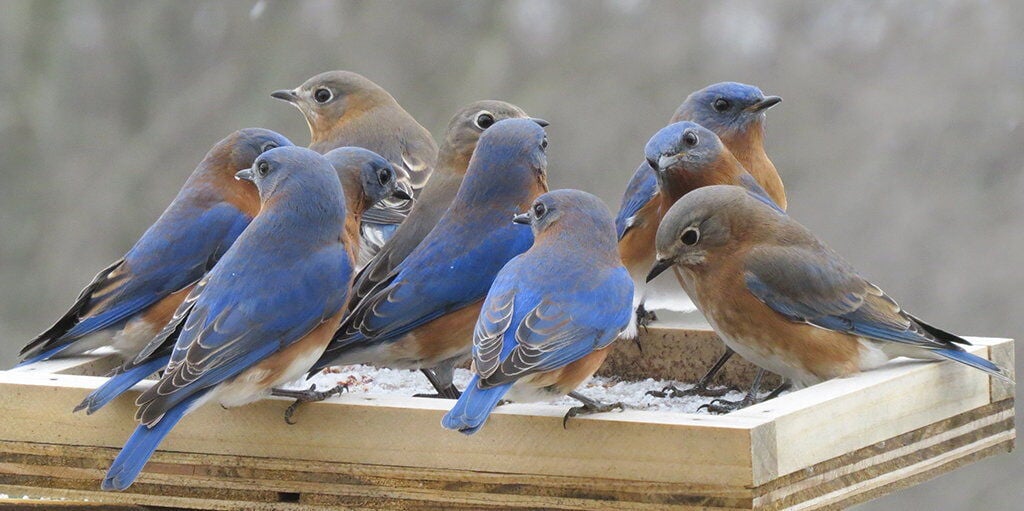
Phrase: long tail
[958,355]
[119,383]
[143,442]
[473,407]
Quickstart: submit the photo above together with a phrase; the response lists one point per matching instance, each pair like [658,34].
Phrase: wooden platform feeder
[825,447]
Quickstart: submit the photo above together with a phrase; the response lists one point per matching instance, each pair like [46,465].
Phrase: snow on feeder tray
[828,446]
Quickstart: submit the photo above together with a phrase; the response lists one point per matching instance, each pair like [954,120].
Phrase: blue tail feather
[140,447]
[976,362]
[44,355]
[119,383]
[473,407]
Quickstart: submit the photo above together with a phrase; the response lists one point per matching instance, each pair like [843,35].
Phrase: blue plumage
[195,230]
[642,187]
[562,300]
[285,278]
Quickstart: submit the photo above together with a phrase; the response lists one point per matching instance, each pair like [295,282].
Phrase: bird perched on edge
[687,156]
[736,113]
[421,316]
[552,312]
[343,108]
[463,132]
[366,178]
[263,314]
[785,301]
[131,300]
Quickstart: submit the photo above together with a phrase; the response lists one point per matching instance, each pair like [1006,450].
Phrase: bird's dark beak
[659,267]
[245,175]
[541,122]
[765,104]
[521,218]
[401,194]
[653,164]
[285,95]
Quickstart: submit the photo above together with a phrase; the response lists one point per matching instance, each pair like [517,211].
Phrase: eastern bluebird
[551,313]
[136,295]
[343,108]
[782,299]
[421,316]
[366,178]
[263,314]
[736,113]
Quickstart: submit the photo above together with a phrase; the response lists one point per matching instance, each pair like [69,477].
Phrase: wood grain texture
[824,447]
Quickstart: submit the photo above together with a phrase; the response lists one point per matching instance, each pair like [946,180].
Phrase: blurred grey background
[900,138]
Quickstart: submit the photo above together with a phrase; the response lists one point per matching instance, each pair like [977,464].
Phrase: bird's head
[375,176]
[328,98]
[469,122]
[726,108]
[683,147]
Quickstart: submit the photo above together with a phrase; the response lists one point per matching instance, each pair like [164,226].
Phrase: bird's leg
[784,386]
[644,317]
[309,395]
[589,407]
[701,388]
[441,378]
[718,406]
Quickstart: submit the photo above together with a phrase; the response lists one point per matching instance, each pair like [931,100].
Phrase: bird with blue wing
[343,108]
[366,179]
[263,314]
[421,316]
[548,320]
[735,112]
[131,300]
[688,156]
[783,300]
[460,139]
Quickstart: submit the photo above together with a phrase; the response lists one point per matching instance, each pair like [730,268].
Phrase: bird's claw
[697,390]
[588,409]
[723,406]
[449,393]
[309,395]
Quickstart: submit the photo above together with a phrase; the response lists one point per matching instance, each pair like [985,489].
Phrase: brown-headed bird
[343,108]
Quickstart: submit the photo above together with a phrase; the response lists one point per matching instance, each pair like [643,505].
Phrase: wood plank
[843,415]
[401,431]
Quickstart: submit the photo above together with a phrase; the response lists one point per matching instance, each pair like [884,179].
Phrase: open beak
[245,175]
[401,194]
[765,104]
[521,218]
[285,95]
[541,122]
[659,268]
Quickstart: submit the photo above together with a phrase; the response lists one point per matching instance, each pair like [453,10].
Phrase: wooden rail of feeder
[825,447]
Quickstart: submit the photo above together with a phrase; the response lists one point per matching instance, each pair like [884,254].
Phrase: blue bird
[366,179]
[736,113]
[421,316]
[133,298]
[552,312]
[783,300]
[263,314]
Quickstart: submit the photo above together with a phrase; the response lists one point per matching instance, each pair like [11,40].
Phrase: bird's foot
[590,408]
[310,395]
[723,406]
[697,390]
[449,392]
[645,317]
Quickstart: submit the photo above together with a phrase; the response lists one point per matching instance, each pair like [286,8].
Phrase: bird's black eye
[384,176]
[267,146]
[721,105]
[539,210]
[690,236]
[262,168]
[323,95]
[544,143]
[484,120]
[690,138]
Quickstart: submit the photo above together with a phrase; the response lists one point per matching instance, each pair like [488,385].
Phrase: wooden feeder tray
[826,447]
